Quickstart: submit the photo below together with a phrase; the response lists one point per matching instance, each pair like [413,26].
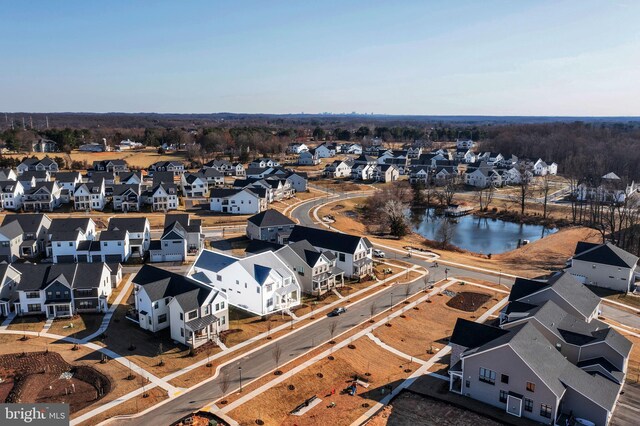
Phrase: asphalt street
[260,362]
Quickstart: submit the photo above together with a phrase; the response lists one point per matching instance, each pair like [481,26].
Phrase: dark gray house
[269,225]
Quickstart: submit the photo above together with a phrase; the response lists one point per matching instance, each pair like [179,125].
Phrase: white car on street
[378,253]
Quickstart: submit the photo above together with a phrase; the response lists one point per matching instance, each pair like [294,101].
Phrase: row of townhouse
[550,360]
[56,290]
[312,156]
[608,189]
[226,167]
[364,168]
[71,240]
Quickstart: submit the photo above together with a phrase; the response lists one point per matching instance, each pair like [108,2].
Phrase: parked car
[378,253]
[336,312]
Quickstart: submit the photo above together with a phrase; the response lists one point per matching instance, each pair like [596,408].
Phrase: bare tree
[544,184]
[372,310]
[407,292]
[269,326]
[445,233]
[485,196]
[524,186]
[448,192]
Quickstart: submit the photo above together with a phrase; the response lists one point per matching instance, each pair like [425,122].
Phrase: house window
[221,305]
[206,310]
[531,387]
[341,257]
[59,244]
[219,277]
[545,410]
[528,405]
[487,376]
[258,290]
[503,396]
[217,306]
[467,383]
[192,315]
[504,379]
[33,307]
[182,332]
[181,316]
[162,318]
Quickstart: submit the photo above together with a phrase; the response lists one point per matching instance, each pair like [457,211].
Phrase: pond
[476,234]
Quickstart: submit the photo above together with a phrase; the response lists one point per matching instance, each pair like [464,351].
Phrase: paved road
[261,361]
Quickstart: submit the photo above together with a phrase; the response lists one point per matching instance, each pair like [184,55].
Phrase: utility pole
[47,117]
[31,122]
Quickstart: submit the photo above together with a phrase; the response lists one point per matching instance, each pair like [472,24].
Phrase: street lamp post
[499,276]
[240,372]
[391,306]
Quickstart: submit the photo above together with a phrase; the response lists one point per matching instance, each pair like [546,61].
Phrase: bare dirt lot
[408,409]
[274,405]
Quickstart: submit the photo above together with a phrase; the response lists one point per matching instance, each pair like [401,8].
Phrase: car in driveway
[378,253]
[337,312]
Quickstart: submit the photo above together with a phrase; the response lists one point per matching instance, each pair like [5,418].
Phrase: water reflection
[477,234]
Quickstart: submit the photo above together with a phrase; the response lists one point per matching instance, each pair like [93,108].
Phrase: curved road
[299,342]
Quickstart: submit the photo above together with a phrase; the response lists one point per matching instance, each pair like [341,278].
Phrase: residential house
[609,189]
[139,232]
[163,177]
[181,236]
[90,195]
[127,198]
[44,196]
[196,185]
[296,148]
[604,265]
[212,177]
[31,177]
[113,166]
[264,162]
[194,313]
[34,164]
[363,172]
[162,197]
[420,174]
[298,181]
[540,168]
[479,178]
[261,284]
[226,167]
[317,271]
[68,180]
[269,225]
[308,158]
[176,167]
[338,169]
[386,173]
[464,144]
[35,228]
[44,145]
[354,148]
[11,193]
[11,238]
[66,236]
[61,290]
[238,200]
[8,174]
[131,178]
[9,278]
[353,253]
[326,151]
[520,371]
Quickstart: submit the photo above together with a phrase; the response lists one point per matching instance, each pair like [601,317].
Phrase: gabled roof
[259,246]
[328,240]
[77,275]
[270,217]
[564,285]
[30,223]
[131,224]
[159,283]
[306,252]
[11,230]
[122,189]
[471,334]
[606,254]
[68,176]
[213,261]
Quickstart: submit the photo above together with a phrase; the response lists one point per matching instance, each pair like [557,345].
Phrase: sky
[489,57]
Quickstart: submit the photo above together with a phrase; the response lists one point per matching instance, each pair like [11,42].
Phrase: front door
[50,311]
[514,405]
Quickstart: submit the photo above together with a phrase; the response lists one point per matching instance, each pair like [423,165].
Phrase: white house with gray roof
[194,312]
[11,193]
[604,265]
[353,253]
[262,284]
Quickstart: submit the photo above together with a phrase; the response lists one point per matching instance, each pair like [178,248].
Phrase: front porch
[327,281]
[362,267]
[58,309]
[201,330]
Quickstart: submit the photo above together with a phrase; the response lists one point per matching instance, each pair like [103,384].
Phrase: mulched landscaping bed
[37,377]
[468,301]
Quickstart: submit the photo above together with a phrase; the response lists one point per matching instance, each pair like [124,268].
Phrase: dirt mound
[468,301]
